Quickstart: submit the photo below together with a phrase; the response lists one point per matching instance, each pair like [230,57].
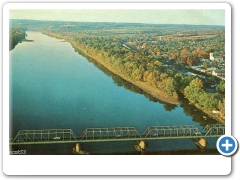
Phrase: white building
[218,73]
[215,58]
[211,57]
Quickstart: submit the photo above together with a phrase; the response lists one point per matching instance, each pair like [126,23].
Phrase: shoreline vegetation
[16,36]
[157,93]
[153,91]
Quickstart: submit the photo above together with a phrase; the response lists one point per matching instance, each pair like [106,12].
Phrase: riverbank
[213,115]
[15,36]
[144,86]
[157,93]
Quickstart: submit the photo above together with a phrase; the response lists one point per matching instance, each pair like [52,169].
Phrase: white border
[117,5]
[113,165]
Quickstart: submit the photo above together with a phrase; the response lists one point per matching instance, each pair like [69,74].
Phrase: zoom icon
[227,145]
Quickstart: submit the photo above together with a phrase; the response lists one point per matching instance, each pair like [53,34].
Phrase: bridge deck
[115,134]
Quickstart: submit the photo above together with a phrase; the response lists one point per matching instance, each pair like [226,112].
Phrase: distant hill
[132,28]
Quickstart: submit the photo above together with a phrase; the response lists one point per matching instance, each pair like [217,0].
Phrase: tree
[207,101]
[185,53]
[15,35]
[169,107]
[221,87]
[221,106]
[205,65]
[157,51]
[170,86]
[189,61]
[196,83]
[174,55]
[185,82]
[194,90]
[195,53]
[198,49]
[177,79]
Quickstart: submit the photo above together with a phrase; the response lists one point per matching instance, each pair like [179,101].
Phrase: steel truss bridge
[50,136]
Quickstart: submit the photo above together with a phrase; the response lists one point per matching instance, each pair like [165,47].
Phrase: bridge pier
[78,148]
[201,142]
[141,146]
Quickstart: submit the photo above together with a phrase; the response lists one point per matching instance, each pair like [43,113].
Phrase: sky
[164,16]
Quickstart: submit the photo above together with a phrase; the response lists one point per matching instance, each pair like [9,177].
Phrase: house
[220,73]
[211,69]
[190,74]
[218,58]
[203,70]
[195,67]
[215,58]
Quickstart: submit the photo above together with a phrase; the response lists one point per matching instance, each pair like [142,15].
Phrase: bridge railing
[213,130]
[171,131]
[47,135]
[109,133]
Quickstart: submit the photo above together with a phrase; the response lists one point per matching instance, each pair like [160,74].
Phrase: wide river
[53,86]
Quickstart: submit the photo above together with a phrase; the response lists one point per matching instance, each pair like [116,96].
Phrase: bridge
[50,136]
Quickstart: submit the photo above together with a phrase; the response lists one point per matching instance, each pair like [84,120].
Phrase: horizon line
[113,22]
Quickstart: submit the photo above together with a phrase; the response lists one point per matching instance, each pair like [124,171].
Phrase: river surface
[52,86]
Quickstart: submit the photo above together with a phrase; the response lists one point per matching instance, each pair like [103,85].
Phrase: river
[53,86]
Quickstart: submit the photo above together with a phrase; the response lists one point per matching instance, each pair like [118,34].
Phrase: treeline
[149,70]
[141,68]
[15,36]
[207,101]
[131,64]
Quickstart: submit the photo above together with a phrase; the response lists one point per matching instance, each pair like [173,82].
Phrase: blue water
[52,86]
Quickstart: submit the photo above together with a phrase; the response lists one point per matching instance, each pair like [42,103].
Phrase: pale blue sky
[198,17]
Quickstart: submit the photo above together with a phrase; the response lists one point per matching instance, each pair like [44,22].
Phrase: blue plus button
[227,145]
